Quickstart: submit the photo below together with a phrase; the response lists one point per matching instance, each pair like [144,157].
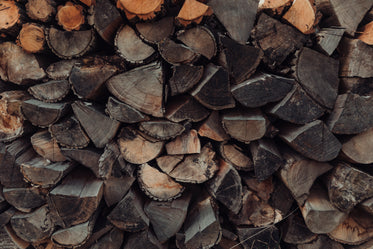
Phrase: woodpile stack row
[187,124]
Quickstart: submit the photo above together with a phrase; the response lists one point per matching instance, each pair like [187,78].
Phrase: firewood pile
[135,124]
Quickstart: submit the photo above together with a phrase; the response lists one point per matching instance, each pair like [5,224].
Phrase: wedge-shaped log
[358,148]
[322,241]
[141,88]
[52,91]
[187,143]
[161,129]
[192,11]
[302,15]
[175,53]
[329,38]
[154,32]
[255,238]
[168,163]
[112,240]
[144,239]
[212,128]
[185,108]
[263,189]
[20,243]
[236,156]
[123,113]
[295,230]
[60,70]
[144,10]
[115,188]
[312,140]
[24,199]
[88,157]
[184,78]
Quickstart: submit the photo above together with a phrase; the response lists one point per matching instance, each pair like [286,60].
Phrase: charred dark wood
[162,130]
[6,215]
[52,91]
[12,17]
[88,157]
[357,149]
[263,189]
[24,199]
[184,78]
[108,159]
[185,108]
[175,53]
[20,243]
[191,12]
[236,156]
[157,31]
[212,128]
[112,239]
[168,163]
[187,143]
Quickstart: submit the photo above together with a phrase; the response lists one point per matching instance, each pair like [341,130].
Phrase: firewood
[361,86]
[240,60]
[43,114]
[52,91]
[141,88]
[213,91]
[12,17]
[367,205]
[366,35]
[312,140]
[131,47]
[355,59]
[319,214]
[115,188]
[69,133]
[297,107]
[17,66]
[175,53]
[318,74]
[281,197]
[256,238]
[358,148]
[329,38]
[33,227]
[3,203]
[187,143]
[20,243]
[162,130]
[266,158]
[185,108]
[157,31]
[193,11]
[168,163]
[245,126]
[137,149]
[128,214]
[212,128]
[226,187]
[196,168]
[276,6]
[277,44]
[302,15]
[24,199]
[41,172]
[70,44]
[236,156]
[6,215]
[144,10]
[88,157]
[108,159]
[60,70]
[226,243]
[262,89]
[299,174]
[295,230]
[76,199]
[41,10]
[167,218]
[200,39]
[31,38]
[184,77]
[70,16]
[322,241]
[263,189]
[144,239]
[112,240]
[106,25]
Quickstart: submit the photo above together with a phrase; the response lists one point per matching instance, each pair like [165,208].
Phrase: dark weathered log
[266,158]
[60,70]
[24,199]
[212,128]
[157,31]
[213,91]
[70,44]
[43,114]
[162,129]
[281,198]
[358,148]
[245,126]
[297,107]
[329,38]
[32,38]
[41,172]
[187,143]
[137,149]
[226,187]
[76,199]
[141,88]
[263,189]
[20,243]
[185,108]
[115,188]
[144,10]
[184,77]
[123,112]
[88,157]
[321,242]
[236,156]
[108,159]
[175,53]
[167,218]
[128,214]
[99,127]
[367,205]
[295,230]
[52,91]
[366,35]
[69,133]
[313,140]
[257,238]
[192,11]
[145,239]
[168,163]
[302,15]
[277,43]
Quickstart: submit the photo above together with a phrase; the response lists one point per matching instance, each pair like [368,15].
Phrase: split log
[24,199]
[31,38]
[70,16]
[277,43]
[33,227]
[226,187]
[155,32]
[240,60]
[358,148]
[302,15]
[40,10]
[70,44]
[43,114]
[367,205]
[145,239]
[50,92]
[295,230]
[12,18]
[167,218]
[281,198]
[168,163]
[128,214]
[144,10]
[192,11]
[6,215]
[162,130]
[297,107]
[108,159]
[256,238]
[69,133]
[185,108]
[112,240]
[41,172]
[318,74]
[357,85]
[266,158]
[88,157]
[141,88]
[115,188]
[196,168]
[99,127]
[245,126]
[123,113]
[20,243]
[312,140]
[276,6]
[137,149]
[240,24]
[213,91]
[187,143]
[322,241]
[366,35]
[348,186]
[184,78]
[236,156]
[131,47]
[212,128]
[17,66]
[175,53]
[263,189]
[60,70]
[76,199]
[261,90]
[328,39]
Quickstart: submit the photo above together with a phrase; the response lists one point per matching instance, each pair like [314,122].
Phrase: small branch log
[87,157]
[108,159]
[175,53]
[168,163]
[192,11]
[50,92]
[212,128]
[302,15]
[185,108]
[32,38]
[41,10]
[144,10]
[259,237]
[155,32]
[123,113]
[6,215]
[328,39]
[162,130]
[60,70]
[184,78]
[187,143]
[70,16]
[367,34]
[236,156]
[358,148]
[116,188]
[24,199]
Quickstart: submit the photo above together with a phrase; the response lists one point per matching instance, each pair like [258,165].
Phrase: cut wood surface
[259,237]
[176,53]
[116,188]
[185,108]
[87,157]
[162,130]
[187,143]
[357,149]
[192,11]
[40,10]
[367,34]
[51,91]
[60,70]
[212,128]
[32,38]
[236,156]
[302,15]
[123,113]
[70,16]
[24,199]
[144,10]
[184,77]
[154,32]
[329,38]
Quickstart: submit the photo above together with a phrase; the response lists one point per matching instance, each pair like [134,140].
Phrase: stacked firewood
[186,124]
